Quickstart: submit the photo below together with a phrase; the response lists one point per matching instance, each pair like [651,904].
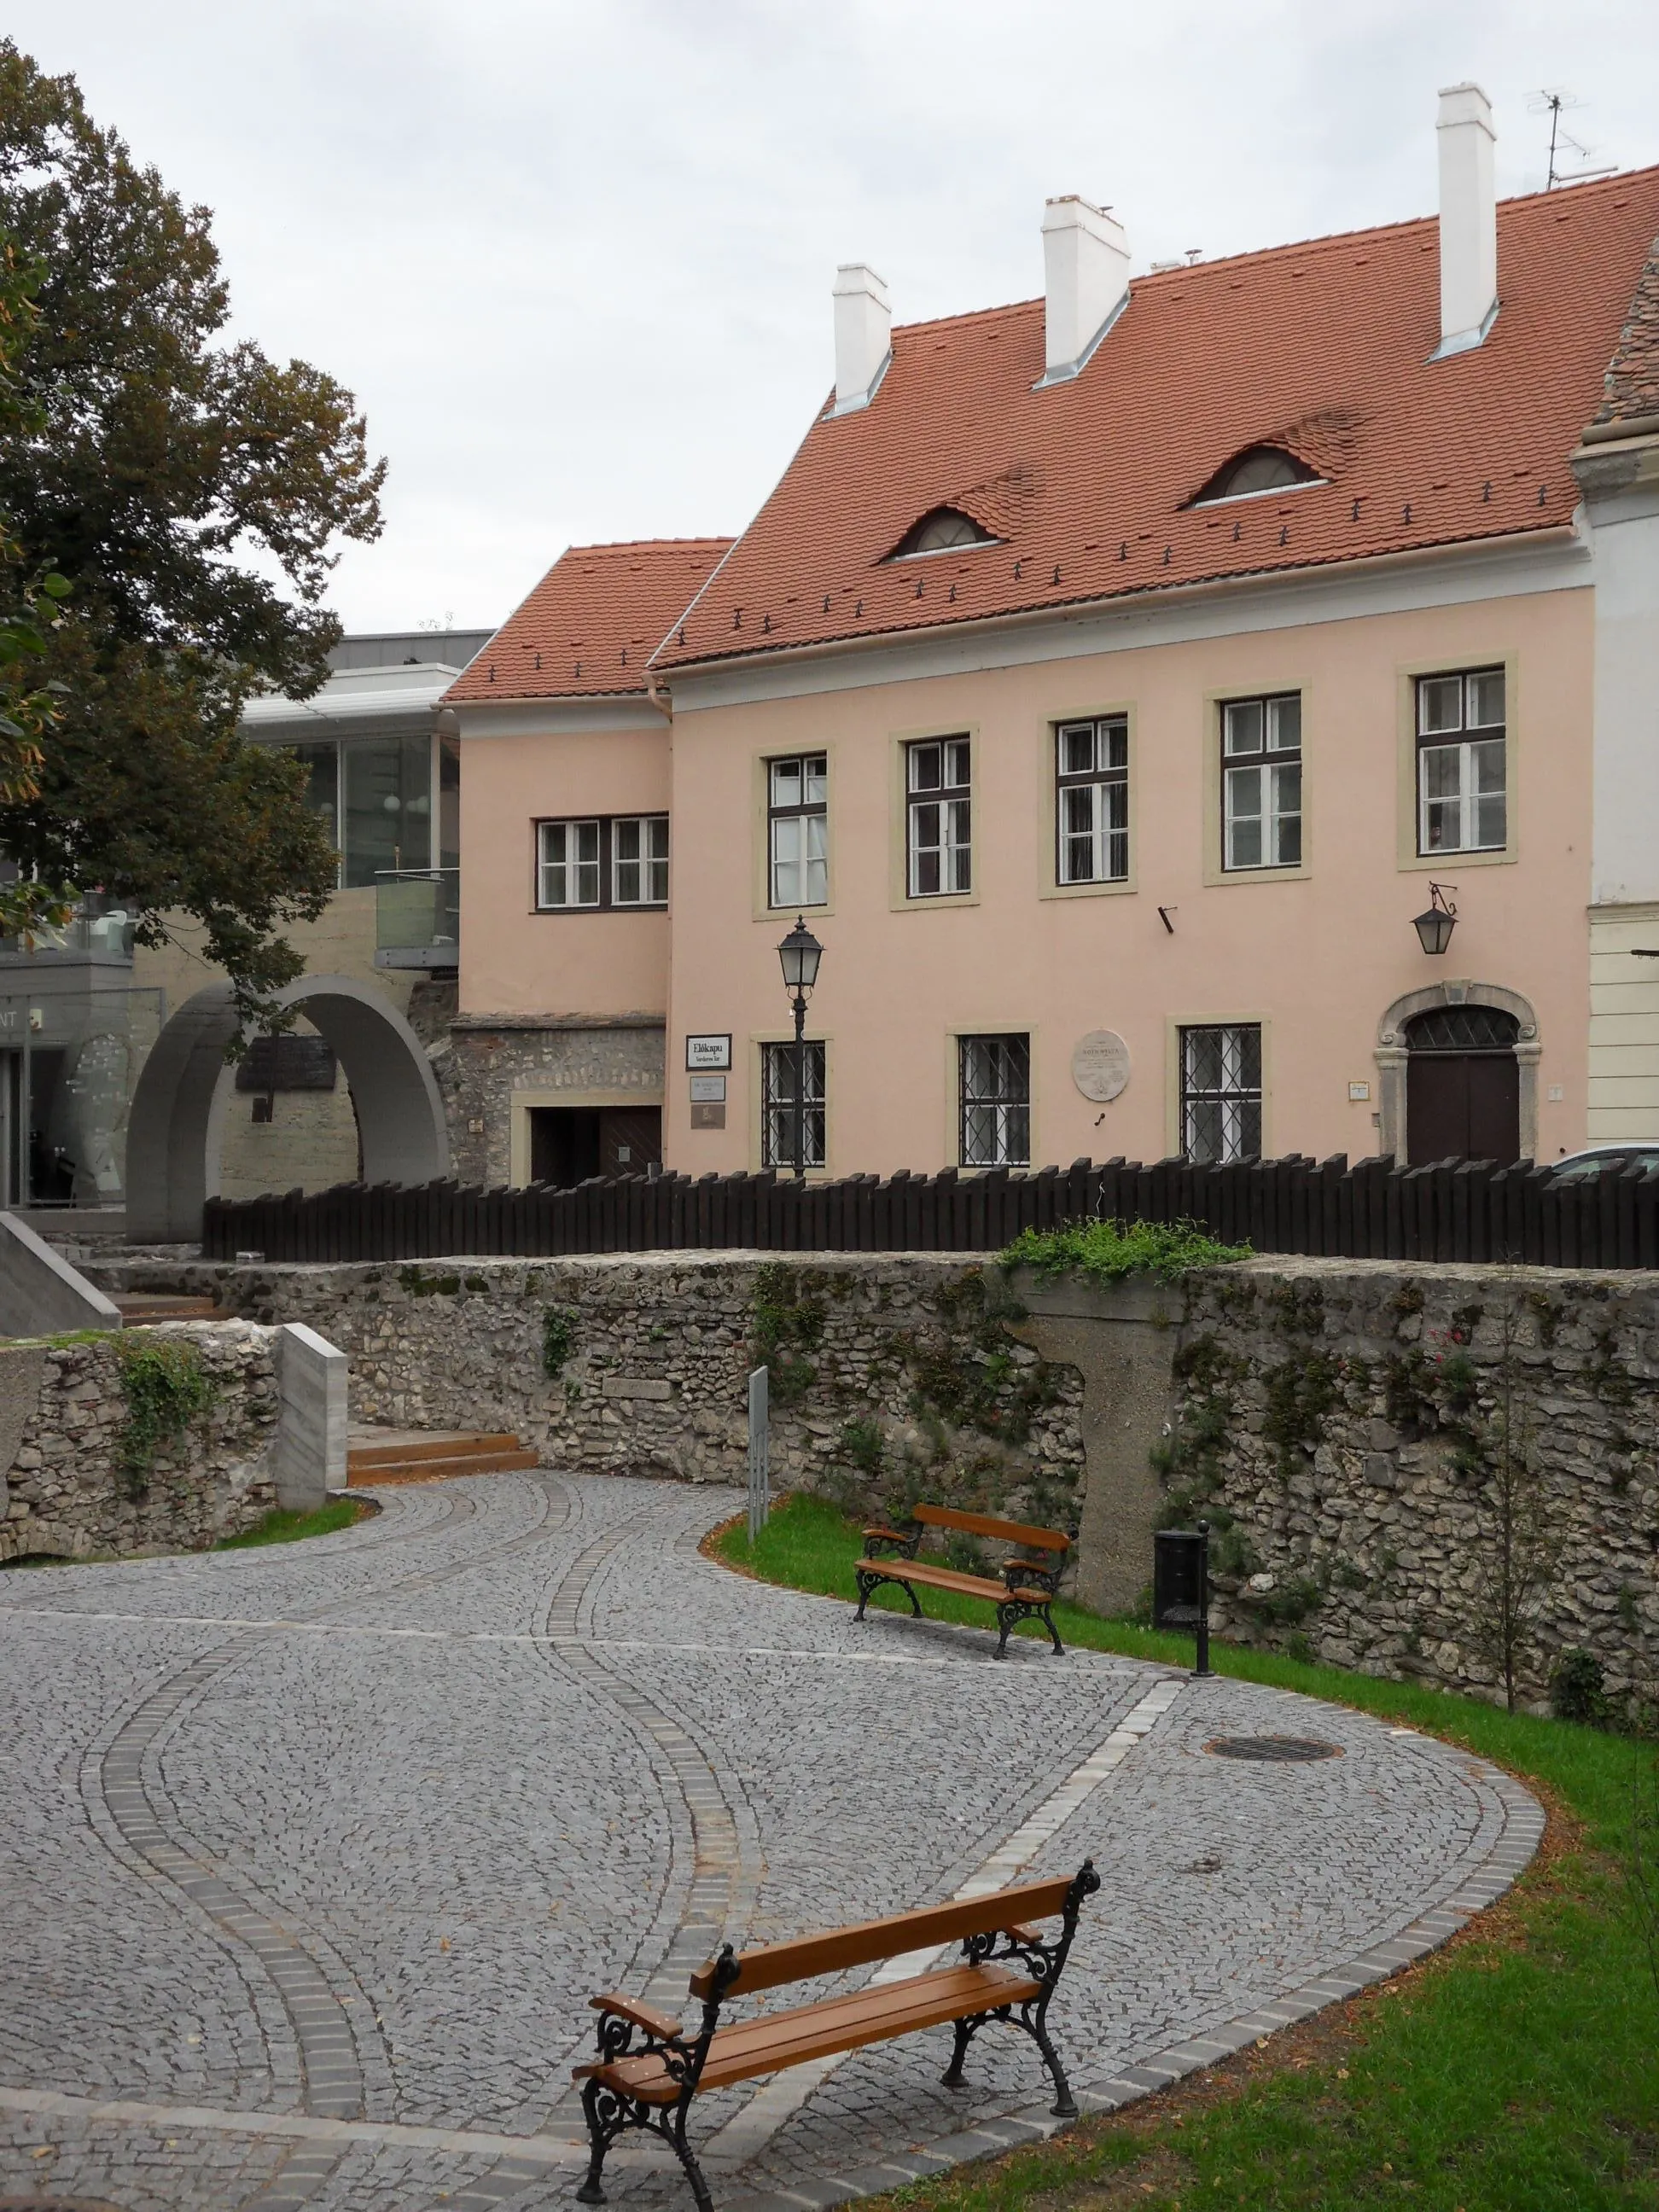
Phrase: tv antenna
[1553,101]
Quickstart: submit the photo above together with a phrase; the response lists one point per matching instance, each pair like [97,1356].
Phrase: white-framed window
[798,830]
[1261,782]
[787,1069]
[569,874]
[938,817]
[639,860]
[1091,800]
[1221,1092]
[1462,769]
[994,1095]
[610,861]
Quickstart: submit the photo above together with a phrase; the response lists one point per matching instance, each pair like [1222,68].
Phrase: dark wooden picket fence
[1459,1210]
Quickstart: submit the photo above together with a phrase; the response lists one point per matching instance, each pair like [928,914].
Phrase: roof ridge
[1322,242]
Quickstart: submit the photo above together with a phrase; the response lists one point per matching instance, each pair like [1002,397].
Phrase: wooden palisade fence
[1458,1210]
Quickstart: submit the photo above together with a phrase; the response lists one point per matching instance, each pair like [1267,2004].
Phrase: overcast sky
[575,260]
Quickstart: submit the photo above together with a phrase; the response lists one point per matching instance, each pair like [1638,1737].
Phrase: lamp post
[800,955]
[1435,925]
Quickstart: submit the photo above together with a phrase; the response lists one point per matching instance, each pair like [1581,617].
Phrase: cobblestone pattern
[66,1494]
[1349,1421]
[399,1801]
[897,1377]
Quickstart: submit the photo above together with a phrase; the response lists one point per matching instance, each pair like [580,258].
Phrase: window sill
[1114,888]
[1217,878]
[1476,856]
[926,900]
[542,911]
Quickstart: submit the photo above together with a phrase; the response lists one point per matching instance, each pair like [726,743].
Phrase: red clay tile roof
[587,629]
[1631,389]
[1322,348]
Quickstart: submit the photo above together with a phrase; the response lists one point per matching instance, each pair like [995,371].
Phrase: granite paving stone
[311,1857]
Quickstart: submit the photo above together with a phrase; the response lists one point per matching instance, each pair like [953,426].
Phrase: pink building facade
[1111,683]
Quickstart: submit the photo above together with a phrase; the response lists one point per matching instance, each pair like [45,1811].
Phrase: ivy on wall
[166,1387]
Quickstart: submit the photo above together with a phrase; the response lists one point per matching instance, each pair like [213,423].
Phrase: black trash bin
[1181,1585]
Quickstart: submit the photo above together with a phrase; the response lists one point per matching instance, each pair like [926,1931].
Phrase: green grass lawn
[279,1527]
[1516,2071]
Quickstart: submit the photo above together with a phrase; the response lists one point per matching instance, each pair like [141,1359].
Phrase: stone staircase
[381,1456]
[143,1309]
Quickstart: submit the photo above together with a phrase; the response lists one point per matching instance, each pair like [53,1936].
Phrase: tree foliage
[195,495]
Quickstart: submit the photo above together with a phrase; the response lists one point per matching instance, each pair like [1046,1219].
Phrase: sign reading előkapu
[708,1052]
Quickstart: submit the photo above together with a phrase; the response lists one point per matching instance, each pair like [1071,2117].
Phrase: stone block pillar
[310,1458]
[1122,1338]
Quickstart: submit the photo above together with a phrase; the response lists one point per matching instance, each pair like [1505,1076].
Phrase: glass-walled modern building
[78,1019]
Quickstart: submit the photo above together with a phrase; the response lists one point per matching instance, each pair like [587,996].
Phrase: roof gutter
[1560,533]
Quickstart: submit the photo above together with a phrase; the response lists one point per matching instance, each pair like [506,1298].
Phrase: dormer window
[1257,469]
[946,530]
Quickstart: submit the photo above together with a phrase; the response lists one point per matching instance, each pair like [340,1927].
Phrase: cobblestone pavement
[310,1858]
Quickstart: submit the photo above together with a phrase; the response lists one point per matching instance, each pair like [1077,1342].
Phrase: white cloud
[575,259]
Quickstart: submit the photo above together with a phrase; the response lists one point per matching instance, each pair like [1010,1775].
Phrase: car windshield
[1600,1163]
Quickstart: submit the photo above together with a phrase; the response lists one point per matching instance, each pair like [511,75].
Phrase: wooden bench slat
[986,1524]
[944,1578]
[861,1945]
[780,2039]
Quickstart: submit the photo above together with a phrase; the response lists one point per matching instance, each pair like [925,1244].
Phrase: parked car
[1607,1159]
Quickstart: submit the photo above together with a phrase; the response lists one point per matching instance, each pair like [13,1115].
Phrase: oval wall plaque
[1100,1066]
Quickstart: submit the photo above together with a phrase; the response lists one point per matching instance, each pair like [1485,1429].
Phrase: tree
[152,464]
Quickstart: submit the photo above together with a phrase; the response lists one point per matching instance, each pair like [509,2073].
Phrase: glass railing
[99,929]
[417,917]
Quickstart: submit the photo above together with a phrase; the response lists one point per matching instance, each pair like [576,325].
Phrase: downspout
[660,700]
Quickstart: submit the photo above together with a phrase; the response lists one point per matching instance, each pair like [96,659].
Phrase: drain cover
[1283,1747]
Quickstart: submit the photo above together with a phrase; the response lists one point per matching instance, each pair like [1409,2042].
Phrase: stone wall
[1410,1467]
[489,1062]
[893,1377]
[64,1492]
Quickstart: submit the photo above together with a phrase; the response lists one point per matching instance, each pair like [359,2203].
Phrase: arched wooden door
[1462,1085]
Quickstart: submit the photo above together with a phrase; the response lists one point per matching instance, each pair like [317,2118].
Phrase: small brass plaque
[705,1115]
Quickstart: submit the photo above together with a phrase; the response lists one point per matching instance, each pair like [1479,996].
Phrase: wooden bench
[1028,1587]
[1008,1972]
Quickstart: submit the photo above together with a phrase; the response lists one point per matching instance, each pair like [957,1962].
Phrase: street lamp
[1435,925]
[800,955]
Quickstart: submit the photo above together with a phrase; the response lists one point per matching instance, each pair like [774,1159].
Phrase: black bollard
[1180,1584]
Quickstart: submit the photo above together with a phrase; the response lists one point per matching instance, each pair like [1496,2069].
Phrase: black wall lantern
[1435,925]
[800,955]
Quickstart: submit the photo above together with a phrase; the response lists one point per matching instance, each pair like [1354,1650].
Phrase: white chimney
[1469,220]
[1085,271]
[864,323]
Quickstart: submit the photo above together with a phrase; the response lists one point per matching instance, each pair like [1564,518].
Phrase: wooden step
[143,1309]
[387,1455]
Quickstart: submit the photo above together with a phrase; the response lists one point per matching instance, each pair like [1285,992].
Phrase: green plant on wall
[788,1326]
[167,1388]
[558,1340]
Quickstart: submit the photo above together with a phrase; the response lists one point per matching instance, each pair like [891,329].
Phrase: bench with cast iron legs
[1027,1590]
[1008,1972]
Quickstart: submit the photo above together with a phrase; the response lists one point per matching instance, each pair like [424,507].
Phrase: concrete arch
[1392,1056]
[176,1125]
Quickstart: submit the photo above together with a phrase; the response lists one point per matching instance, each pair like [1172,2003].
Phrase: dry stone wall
[1428,1470]
[67,1488]
[893,1377]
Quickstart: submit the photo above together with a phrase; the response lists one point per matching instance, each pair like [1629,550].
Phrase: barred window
[1261,782]
[995,1093]
[1461,763]
[1221,1092]
[779,1066]
[938,817]
[798,830]
[1092,784]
